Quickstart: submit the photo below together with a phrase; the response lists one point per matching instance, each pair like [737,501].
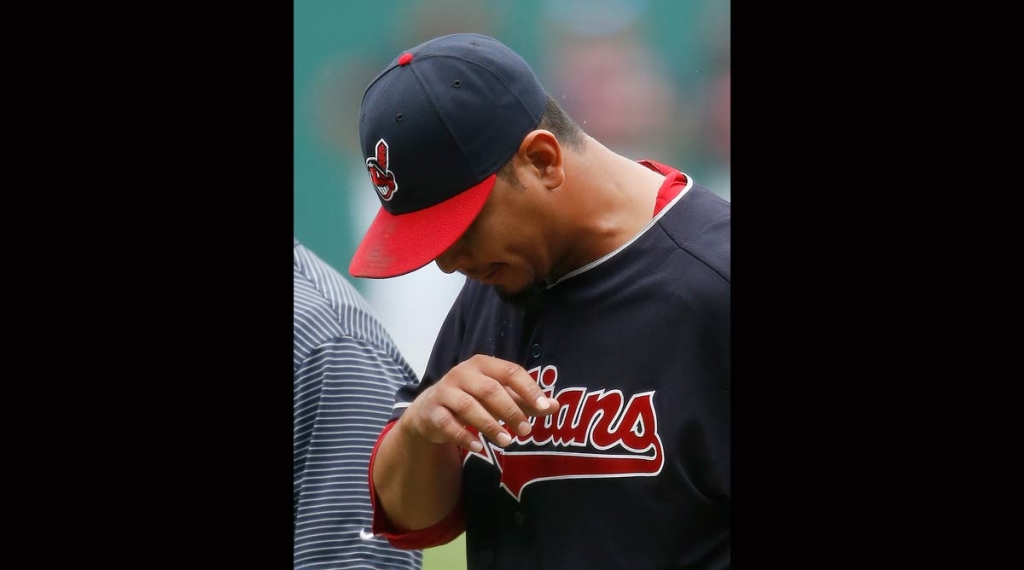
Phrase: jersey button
[519,518]
[535,351]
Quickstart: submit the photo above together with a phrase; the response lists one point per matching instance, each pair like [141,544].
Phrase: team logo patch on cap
[382,178]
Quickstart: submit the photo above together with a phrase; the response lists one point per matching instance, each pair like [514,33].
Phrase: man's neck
[607,199]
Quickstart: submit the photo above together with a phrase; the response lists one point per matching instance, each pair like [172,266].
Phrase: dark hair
[561,125]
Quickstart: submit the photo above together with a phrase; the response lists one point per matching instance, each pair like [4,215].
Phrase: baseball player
[575,409]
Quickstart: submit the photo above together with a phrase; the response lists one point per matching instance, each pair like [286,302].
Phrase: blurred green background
[597,57]
[648,78]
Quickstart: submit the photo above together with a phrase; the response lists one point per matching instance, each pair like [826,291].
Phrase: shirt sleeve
[344,391]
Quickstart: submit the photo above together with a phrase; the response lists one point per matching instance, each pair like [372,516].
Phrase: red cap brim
[398,244]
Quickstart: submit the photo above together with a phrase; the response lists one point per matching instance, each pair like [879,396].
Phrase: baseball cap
[435,126]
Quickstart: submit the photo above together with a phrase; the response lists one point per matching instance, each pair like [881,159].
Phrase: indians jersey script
[633,469]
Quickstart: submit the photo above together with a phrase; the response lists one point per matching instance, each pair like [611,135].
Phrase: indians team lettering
[594,434]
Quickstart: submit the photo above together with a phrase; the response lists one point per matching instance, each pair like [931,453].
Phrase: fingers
[531,409]
[472,412]
[443,411]
[483,392]
[508,392]
[445,427]
[480,401]
[514,377]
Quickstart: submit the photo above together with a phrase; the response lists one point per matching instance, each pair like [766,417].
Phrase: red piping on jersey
[674,183]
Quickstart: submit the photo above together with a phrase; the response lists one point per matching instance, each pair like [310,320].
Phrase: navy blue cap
[435,126]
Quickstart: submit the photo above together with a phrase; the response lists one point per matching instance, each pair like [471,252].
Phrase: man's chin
[522,298]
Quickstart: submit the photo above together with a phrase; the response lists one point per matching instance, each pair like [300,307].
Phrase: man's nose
[452,259]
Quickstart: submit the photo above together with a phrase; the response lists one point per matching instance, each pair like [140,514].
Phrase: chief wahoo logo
[382,178]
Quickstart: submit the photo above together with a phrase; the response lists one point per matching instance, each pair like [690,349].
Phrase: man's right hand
[478,393]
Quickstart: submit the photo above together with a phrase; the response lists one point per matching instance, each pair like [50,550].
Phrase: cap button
[405,59]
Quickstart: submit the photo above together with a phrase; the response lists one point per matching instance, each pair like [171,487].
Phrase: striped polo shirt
[347,370]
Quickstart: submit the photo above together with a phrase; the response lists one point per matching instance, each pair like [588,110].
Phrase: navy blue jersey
[633,471]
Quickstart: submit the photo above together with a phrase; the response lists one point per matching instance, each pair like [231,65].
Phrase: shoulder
[327,307]
[699,224]
[318,286]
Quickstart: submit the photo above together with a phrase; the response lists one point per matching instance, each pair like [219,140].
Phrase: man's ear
[540,157]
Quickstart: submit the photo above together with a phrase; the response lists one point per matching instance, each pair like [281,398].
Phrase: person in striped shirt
[347,371]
